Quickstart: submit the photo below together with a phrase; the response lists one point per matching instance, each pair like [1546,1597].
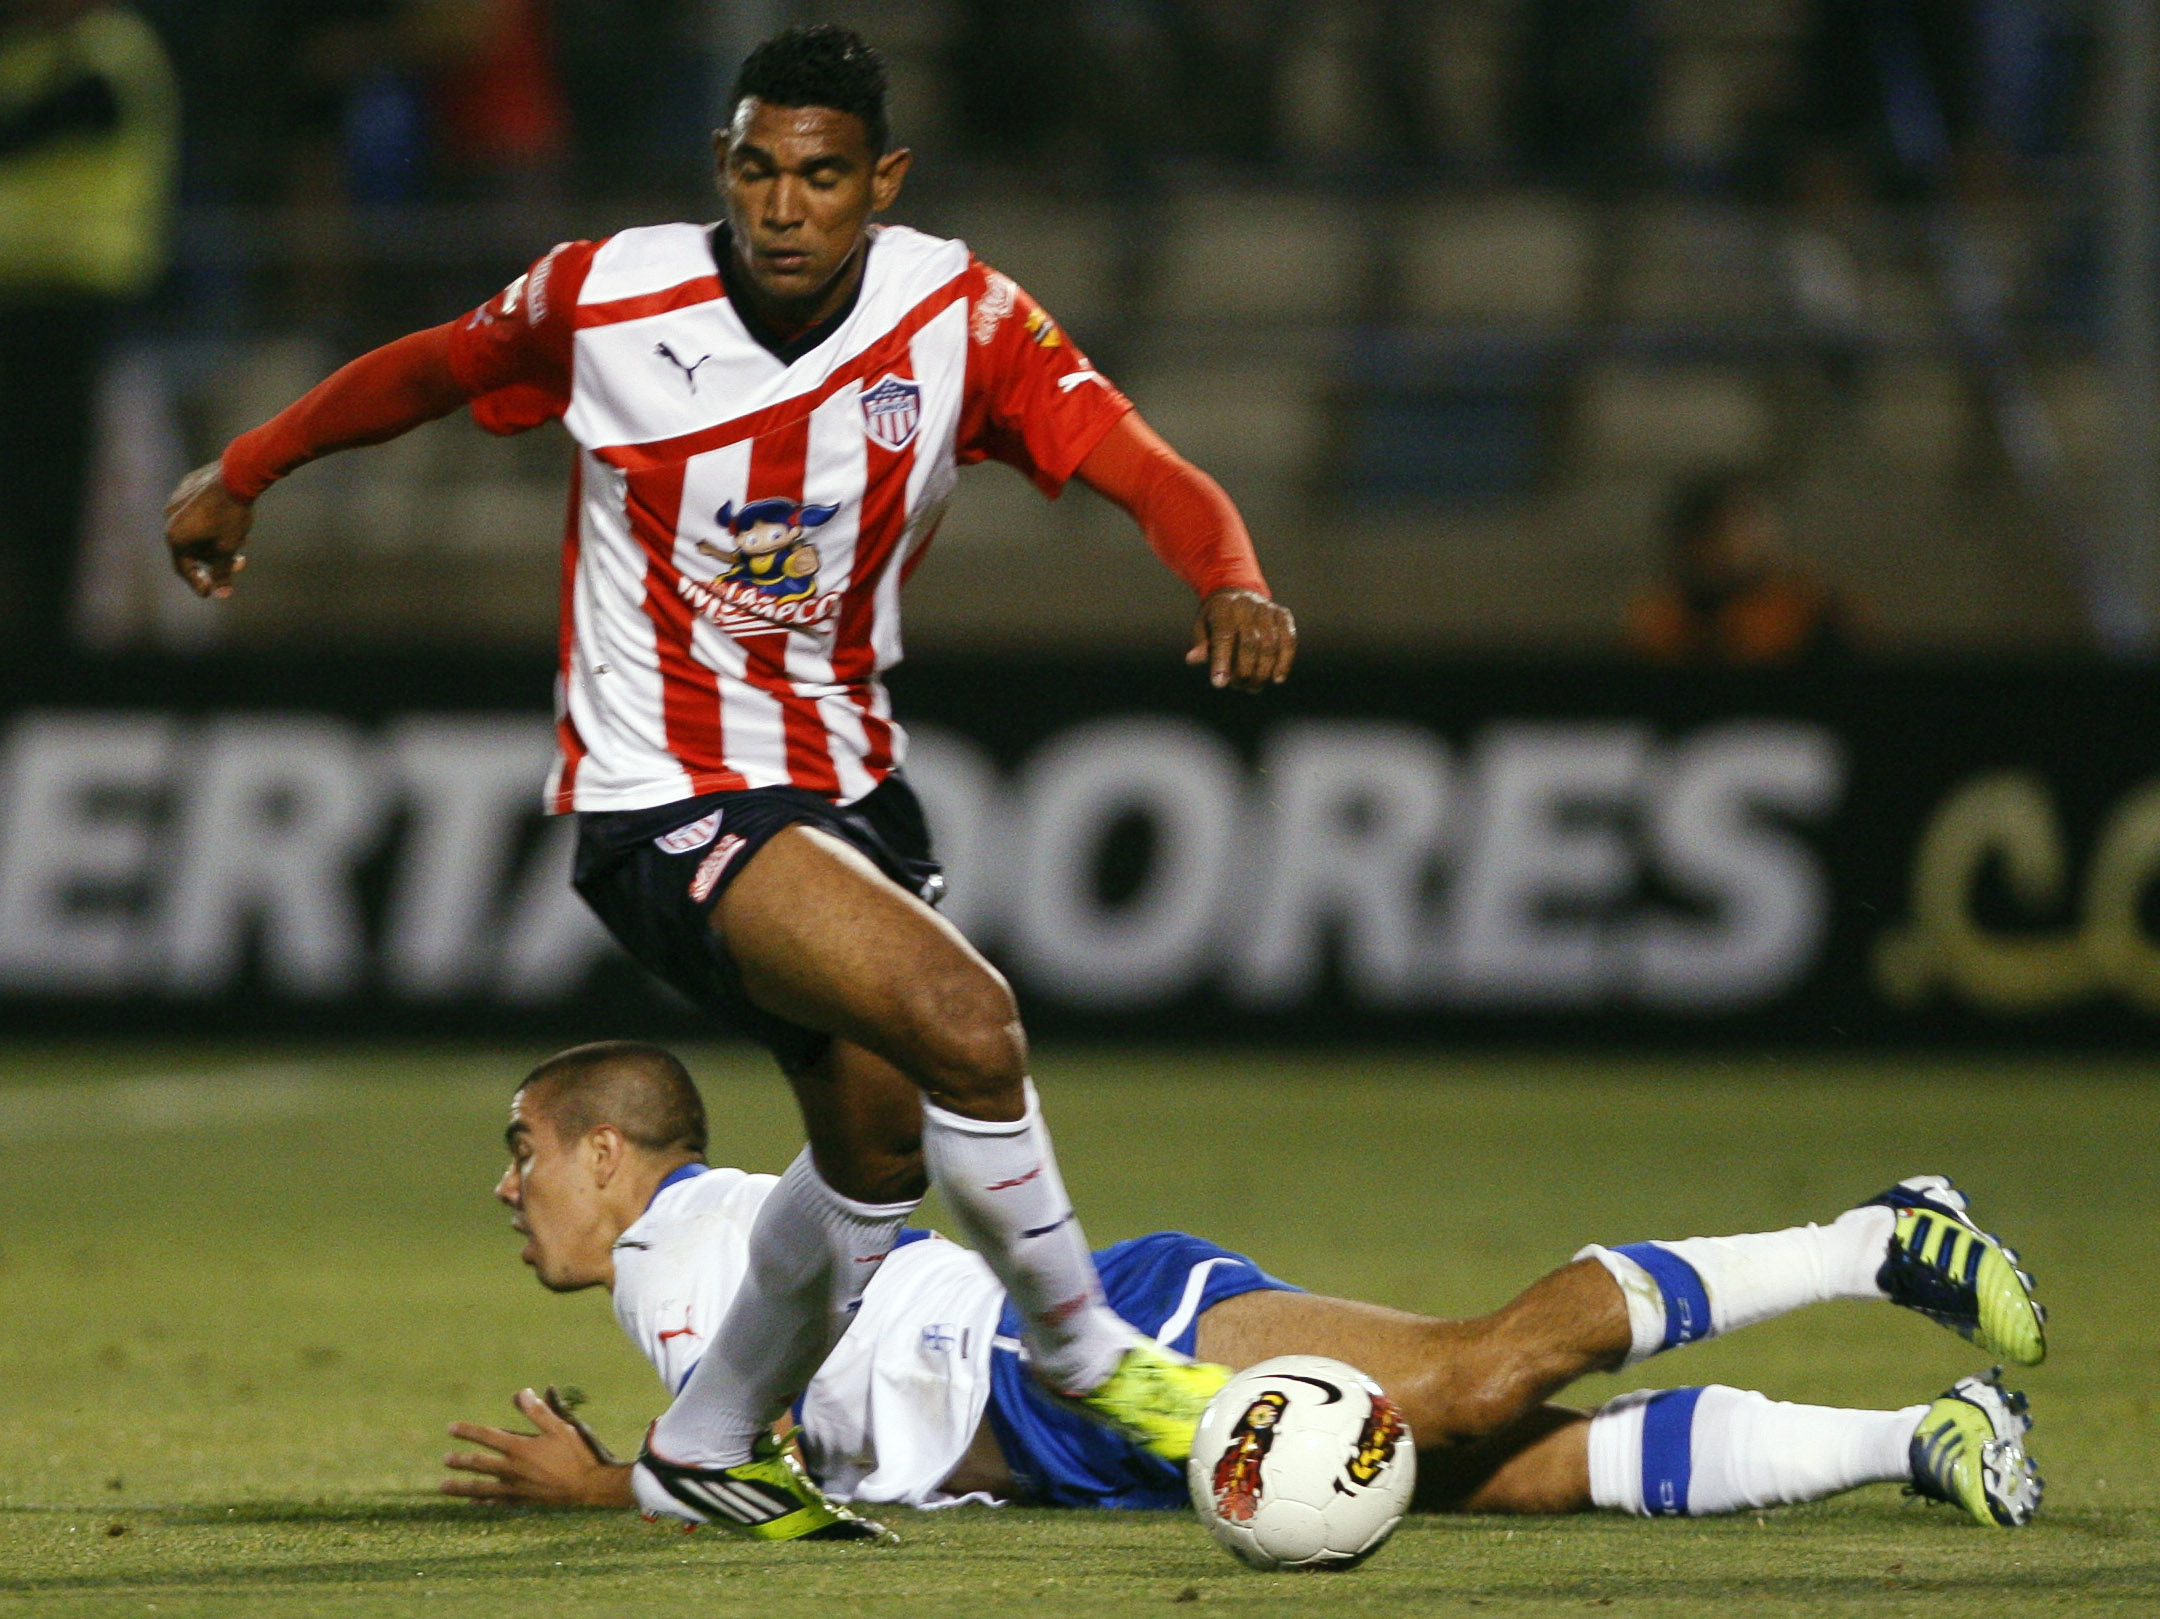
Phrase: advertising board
[1376,851]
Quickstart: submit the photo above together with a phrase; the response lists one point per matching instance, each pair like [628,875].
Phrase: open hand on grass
[563,1465]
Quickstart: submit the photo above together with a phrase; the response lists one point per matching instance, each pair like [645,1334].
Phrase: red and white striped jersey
[740,527]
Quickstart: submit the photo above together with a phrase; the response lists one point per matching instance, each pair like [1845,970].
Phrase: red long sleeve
[1189,522]
[385,392]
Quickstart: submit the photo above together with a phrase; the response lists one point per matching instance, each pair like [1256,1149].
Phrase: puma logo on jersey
[1072,379]
[689,371]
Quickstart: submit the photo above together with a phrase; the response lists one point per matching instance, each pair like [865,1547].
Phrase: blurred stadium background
[1710,448]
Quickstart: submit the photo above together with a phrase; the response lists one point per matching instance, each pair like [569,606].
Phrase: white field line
[160,1104]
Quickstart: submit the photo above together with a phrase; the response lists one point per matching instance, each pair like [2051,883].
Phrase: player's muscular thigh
[825,939]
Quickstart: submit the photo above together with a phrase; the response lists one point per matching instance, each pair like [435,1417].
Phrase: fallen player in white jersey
[924,1401]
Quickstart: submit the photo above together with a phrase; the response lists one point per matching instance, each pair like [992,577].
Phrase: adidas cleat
[1969,1450]
[769,1497]
[1155,1398]
[1952,1272]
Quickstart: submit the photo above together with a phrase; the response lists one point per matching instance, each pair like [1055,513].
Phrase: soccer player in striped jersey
[924,1401]
[769,414]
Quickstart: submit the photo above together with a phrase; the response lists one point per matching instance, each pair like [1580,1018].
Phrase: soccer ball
[1301,1462]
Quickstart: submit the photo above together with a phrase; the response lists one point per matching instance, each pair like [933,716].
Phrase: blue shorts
[1161,1284]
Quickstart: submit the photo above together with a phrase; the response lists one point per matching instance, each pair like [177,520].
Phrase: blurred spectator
[641,84]
[88,139]
[500,118]
[388,101]
[1889,90]
[1733,596]
[1585,83]
[1122,81]
[1897,98]
[1227,60]
[1395,62]
[1025,76]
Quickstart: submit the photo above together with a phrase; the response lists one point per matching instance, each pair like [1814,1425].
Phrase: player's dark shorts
[653,876]
[1161,1284]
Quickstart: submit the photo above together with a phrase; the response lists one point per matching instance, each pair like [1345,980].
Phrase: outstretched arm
[511,358]
[388,391]
[1246,639]
[563,1465]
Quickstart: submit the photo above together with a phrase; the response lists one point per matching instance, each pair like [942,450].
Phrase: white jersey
[741,523]
[896,1404]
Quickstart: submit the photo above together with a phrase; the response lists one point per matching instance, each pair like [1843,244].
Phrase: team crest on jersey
[689,839]
[892,411]
[769,576]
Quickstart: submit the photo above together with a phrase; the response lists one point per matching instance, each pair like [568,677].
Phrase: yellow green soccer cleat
[1155,1398]
[1969,1450]
[1952,1272]
[769,1497]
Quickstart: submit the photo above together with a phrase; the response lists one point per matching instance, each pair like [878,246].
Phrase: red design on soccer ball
[1376,1444]
[1237,1469]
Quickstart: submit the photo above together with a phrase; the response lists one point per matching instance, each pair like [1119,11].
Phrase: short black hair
[642,1090]
[824,65]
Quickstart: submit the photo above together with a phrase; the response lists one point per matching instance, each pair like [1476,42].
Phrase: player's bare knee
[980,1071]
[973,1055]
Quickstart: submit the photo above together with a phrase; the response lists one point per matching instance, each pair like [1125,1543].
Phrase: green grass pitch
[241,1291]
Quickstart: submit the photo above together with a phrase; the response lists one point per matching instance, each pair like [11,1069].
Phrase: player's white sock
[1000,1180]
[1692,1452]
[812,1252]
[1678,1292]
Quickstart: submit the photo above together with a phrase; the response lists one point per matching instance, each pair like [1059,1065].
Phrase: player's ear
[604,1151]
[886,178]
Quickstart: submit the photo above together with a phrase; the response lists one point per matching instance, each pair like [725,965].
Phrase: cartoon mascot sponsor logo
[769,577]
[1376,1443]
[1237,1469]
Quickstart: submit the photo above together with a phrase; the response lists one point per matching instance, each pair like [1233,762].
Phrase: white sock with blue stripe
[1000,1183]
[1680,1292]
[1689,1453]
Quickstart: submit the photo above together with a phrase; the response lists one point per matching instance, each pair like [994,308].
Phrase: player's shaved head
[640,1089]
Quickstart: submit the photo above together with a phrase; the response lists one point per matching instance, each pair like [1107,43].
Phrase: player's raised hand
[563,1465]
[1246,641]
[205,525]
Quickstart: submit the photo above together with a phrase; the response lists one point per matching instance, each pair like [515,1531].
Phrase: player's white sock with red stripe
[1691,1452]
[1001,1182]
[1699,1287]
[812,1252]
